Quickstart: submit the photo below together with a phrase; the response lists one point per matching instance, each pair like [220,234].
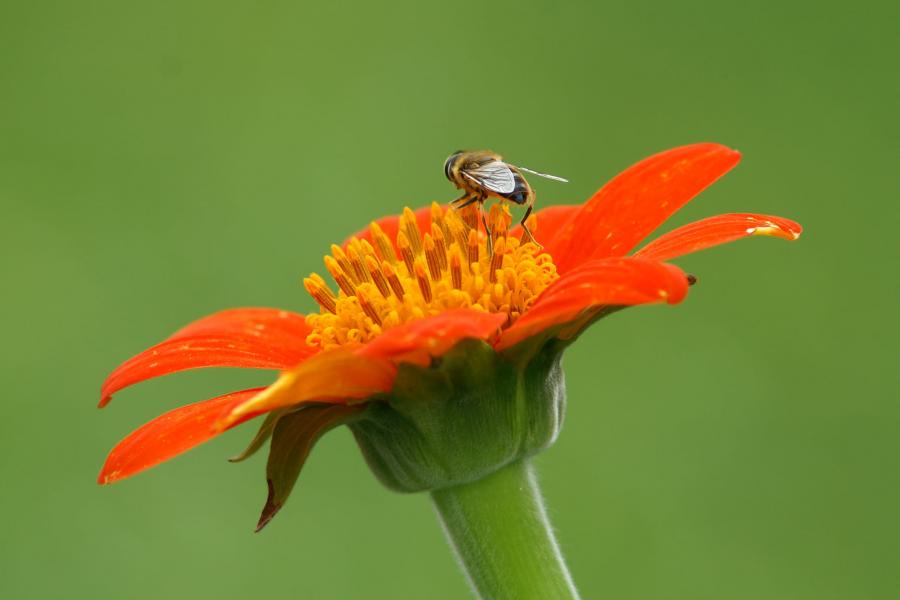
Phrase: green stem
[501,535]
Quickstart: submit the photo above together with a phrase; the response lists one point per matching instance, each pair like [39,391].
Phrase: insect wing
[494,175]
[544,175]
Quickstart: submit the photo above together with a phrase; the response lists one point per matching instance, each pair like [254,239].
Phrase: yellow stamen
[383,243]
[438,236]
[455,267]
[499,222]
[473,246]
[339,276]
[367,248]
[446,267]
[438,222]
[367,307]
[459,231]
[406,251]
[411,228]
[355,254]
[437,213]
[394,281]
[319,290]
[431,255]
[422,279]
[497,257]
[344,263]
[471,215]
[377,276]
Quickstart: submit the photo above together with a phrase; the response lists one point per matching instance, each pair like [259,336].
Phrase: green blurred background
[160,161]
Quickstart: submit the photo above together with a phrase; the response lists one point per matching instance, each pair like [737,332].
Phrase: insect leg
[525,229]
[487,232]
[470,201]
[458,203]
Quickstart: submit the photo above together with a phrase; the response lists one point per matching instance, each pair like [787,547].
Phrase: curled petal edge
[717,230]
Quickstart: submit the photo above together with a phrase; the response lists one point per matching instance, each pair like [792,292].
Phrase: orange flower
[410,288]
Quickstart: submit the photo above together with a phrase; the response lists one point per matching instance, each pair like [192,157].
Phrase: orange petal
[336,376]
[717,230]
[550,222]
[169,435]
[260,338]
[418,341]
[602,282]
[249,321]
[638,200]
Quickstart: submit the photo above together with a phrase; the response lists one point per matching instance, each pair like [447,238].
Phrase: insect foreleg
[525,229]
[458,203]
[473,198]
[487,232]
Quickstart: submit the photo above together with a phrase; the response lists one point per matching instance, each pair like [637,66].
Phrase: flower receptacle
[465,416]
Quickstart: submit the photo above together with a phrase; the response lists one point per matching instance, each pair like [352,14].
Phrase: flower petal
[169,435]
[602,282]
[260,338]
[335,376]
[250,321]
[418,341]
[638,200]
[717,230]
[360,371]
[550,222]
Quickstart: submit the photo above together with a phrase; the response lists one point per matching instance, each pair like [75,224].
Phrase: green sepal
[293,437]
[262,434]
[468,414]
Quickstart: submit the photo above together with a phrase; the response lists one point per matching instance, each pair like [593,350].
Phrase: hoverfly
[483,174]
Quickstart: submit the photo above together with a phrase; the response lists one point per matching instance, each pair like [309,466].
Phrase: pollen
[381,284]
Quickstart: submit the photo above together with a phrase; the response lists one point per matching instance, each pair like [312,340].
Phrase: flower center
[382,285]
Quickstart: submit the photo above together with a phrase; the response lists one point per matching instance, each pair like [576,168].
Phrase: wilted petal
[169,435]
[602,282]
[260,338]
[717,230]
[637,201]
